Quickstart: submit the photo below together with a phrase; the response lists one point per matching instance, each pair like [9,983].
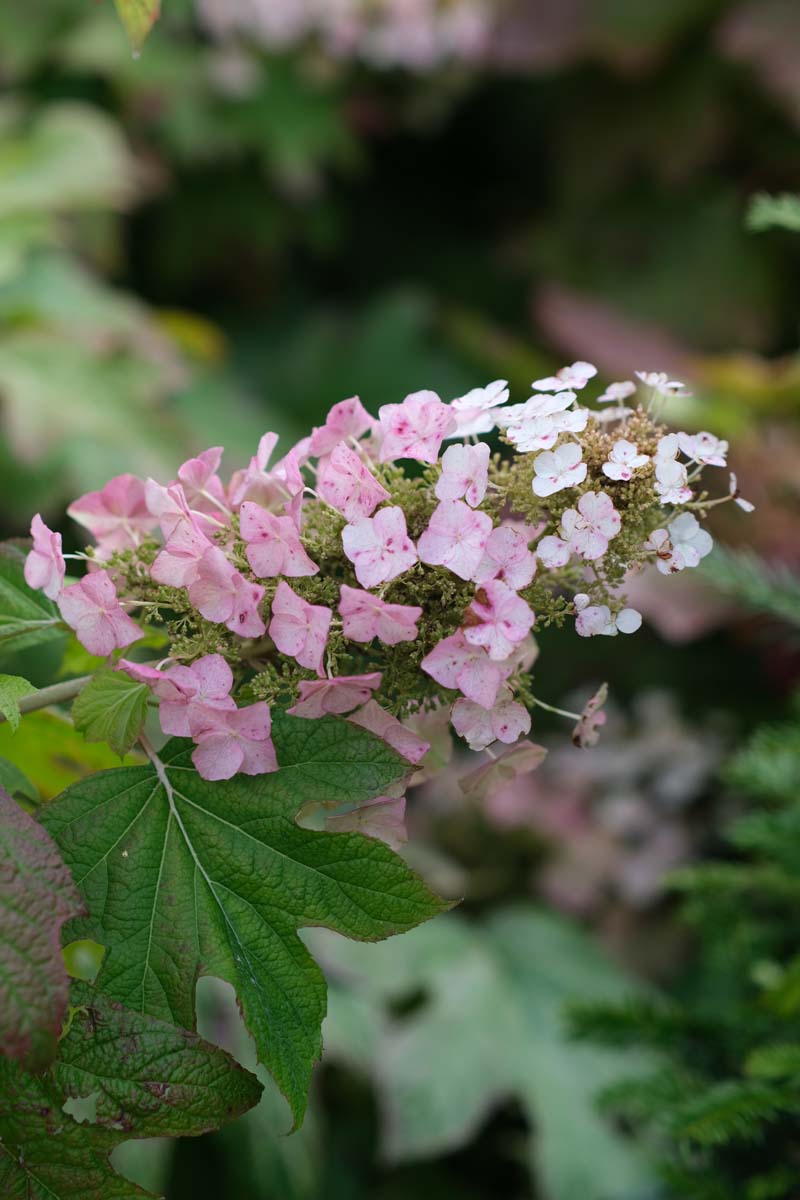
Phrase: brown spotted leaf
[37,896]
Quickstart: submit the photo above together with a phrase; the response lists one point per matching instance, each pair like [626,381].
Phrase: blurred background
[282,203]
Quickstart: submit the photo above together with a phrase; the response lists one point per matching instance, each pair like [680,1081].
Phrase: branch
[57,694]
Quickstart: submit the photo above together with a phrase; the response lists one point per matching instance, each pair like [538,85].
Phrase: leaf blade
[138,17]
[12,689]
[111,708]
[224,877]
[26,617]
[37,897]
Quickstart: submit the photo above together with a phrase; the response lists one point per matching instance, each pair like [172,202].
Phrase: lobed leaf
[37,896]
[12,690]
[111,708]
[185,878]
[134,1077]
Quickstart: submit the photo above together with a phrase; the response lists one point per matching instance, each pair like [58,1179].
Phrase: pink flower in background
[383,818]
[454,663]
[558,469]
[379,547]
[300,629]
[117,516]
[473,412]
[235,741]
[624,460]
[92,608]
[576,376]
[455,538]
[187,694]
[465,473]
[179,562]
[503,619]
[589,528]
[415,428]
[347,419]
[45,567]
[615,393]
[506,721]
[335,695]
[221,594]
[365,617]
[704,448]
[376,720]
[506,556]
[346,484]
[273,544]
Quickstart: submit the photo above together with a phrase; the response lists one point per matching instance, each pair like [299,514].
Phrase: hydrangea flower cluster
[414,34]
[393,570]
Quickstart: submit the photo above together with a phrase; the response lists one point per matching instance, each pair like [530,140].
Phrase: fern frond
[774,1062]
[760,586]
[769,765]
[733,1110]
[634,1022]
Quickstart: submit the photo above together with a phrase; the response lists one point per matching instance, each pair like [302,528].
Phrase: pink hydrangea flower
[335,695]
[202,486]
[365,617]
[593,619]
[624,460]
[300,629]
[507,557]
[45,567]
[221,594]
[465,473]
[178,563]
[168,507]
[589,528]
[379,547]
[456,538]
[187,694]
[346,484]
[576,376]
[497,774]
[473,412]
[454,663]
[347,419]
[557,469]
[273,544]
[415,428]
[92,608]
[117,516]
[505,722]
[375,719]
[252,483]
[383,818]
[232,742]
[503,620]
[587,732]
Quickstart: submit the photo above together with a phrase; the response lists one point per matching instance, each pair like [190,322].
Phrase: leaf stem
[58,693]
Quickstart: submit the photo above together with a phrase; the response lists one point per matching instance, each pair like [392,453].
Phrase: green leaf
[138,17]
[186,878]
[12,689]
[111,708]
[489,1024]
[26,617]
[52,752]
[16,783]
[774,212]
[127,1075]
[37,896]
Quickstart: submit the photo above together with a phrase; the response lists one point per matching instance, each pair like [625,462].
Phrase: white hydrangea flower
[704,448]
[623,460]
[661,383]
[575,376]
[682,544]
[616,392]
[558,469]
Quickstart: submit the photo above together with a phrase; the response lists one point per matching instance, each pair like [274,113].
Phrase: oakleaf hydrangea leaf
[185,878]
[130,1076]
[12,689]
[37,896]
[26,616]
[111,708]
[138,17]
